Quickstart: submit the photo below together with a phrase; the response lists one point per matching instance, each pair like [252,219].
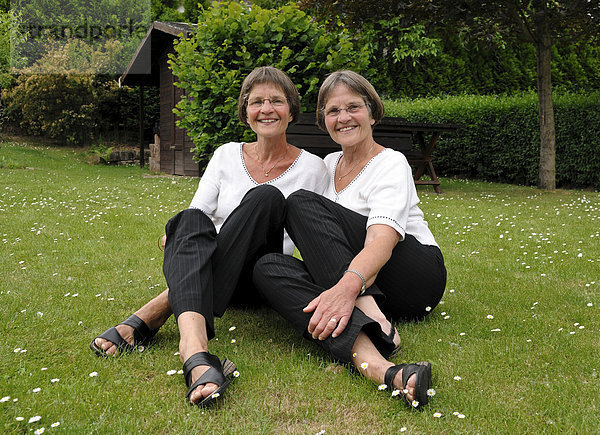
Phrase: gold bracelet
[364,281]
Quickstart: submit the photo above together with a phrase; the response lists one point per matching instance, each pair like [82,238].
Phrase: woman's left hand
[332,310]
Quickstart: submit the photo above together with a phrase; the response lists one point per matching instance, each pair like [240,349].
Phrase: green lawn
[514,346]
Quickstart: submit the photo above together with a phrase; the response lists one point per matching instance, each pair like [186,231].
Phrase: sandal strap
[114,337]
[203,359]
[142,334]
[422,372]
[391,373]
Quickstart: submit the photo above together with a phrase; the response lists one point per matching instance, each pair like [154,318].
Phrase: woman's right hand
[162,242]
[331,312]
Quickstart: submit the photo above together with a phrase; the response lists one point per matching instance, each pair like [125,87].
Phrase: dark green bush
[75,109]
[233,39]
[471,68]
[500,138]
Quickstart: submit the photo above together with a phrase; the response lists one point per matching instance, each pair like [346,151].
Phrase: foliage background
[62,97]
[499,140]
[231,42]
[405,61]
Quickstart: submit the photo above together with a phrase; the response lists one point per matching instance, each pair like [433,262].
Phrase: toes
[108,347]
[409,390]
[202,391]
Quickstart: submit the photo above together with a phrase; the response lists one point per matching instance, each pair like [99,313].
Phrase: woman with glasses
[236,216]
[368,254]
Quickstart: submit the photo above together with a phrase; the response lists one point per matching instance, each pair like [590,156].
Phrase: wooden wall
[175,145]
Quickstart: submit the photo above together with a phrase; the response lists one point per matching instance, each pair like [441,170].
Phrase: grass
[78,254]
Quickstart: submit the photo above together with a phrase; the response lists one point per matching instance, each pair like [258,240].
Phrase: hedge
[500,139]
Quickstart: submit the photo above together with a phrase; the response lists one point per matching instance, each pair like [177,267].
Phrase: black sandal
[422,371]
[215,375]
[142,335]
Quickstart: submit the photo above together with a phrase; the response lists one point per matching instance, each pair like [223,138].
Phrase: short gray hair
[357,84]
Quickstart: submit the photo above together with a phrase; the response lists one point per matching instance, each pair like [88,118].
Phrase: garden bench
[415,140]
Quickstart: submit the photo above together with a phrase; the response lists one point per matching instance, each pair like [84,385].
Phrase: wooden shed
[171,151]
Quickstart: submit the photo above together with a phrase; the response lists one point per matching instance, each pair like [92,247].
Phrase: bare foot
[109,347]
[201,391]
[154,314]
[409,391]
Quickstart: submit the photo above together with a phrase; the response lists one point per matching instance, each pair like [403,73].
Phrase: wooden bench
[415,140]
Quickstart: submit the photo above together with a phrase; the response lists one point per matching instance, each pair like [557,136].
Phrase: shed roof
[143,69]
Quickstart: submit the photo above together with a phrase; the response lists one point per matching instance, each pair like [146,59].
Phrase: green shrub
[102,151]
[233,39]
[65,100]
[500,139]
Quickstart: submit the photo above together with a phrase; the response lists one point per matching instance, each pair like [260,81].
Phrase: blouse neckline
[268,181]
[357,175]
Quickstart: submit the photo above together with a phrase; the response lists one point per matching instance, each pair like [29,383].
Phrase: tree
[538,22]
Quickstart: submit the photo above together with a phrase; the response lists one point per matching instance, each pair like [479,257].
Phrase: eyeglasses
[274,101]
[334,112]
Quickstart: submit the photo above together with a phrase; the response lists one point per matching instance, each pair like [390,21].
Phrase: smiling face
[347,118]
[268,113]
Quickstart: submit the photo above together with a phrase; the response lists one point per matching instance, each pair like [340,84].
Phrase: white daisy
[34,419]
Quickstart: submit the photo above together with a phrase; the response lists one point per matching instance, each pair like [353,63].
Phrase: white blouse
[385,192]
[226,181]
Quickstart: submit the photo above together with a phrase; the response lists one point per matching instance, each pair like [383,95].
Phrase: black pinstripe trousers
[204,270]
[328,237]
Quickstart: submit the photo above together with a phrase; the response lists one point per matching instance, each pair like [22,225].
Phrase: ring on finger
[333,319]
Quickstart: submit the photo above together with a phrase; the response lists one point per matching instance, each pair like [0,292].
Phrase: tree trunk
[547,170]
